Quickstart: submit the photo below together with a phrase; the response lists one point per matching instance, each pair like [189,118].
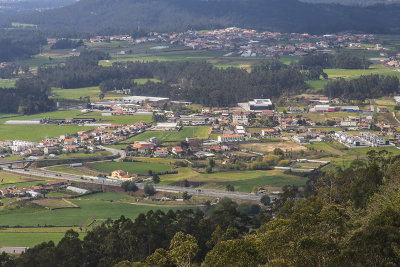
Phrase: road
[115,152]
[117,183]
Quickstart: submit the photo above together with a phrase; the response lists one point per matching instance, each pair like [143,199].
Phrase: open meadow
[86,213]
[243,181]
[141,168]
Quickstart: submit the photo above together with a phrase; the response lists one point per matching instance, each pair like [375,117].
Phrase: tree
[149,189]
[209,169]
[230,188]
[265,200]
[156,178]
[129,186]
[182,249]
[186,196]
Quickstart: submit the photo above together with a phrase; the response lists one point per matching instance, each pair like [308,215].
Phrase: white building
[257,105]
[241,118]
[21,146]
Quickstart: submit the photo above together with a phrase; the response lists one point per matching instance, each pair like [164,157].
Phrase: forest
[343,217]
[19,44]
[196,82]
[30,95]
[369,86]
[177,15]
[336,61]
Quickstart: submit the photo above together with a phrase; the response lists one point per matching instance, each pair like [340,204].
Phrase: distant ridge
[177,15]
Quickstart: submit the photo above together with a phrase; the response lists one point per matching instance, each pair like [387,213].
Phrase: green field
[88,211]
[199,132]
[7,83]
[143,81]
[84,155]
[140,168]
[78,114]
[81,93]
[37,132]
[29,239]
[244,181]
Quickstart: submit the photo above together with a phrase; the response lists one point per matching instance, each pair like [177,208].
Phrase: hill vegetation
[346,217]
[109,16]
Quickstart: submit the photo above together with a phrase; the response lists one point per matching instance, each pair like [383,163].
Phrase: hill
[353,2]
[168,15]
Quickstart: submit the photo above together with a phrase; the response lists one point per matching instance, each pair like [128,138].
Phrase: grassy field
[37,132]
[29,239]
[7,83]
[244,181]
[81,93]
[200,132]
[141,168]
[84,155]
[145,80]
[10,179]
[62,114]
[268,147]
[88,211]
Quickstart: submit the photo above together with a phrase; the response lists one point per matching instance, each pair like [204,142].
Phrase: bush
[149,189]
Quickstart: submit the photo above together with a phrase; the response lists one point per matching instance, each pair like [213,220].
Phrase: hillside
[353,2]
[167,15]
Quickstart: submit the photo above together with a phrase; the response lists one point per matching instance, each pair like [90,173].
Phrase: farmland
[141,168]
[81,93]
[37,132]
[244,181]
[199,132]
[88,211]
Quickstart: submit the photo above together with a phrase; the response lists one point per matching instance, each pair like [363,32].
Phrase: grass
[88,211]
[37,132]
[29,239]
[143,81]
[108,196]
[81,93]
[199,132]
[244,181]
[7,83]
[141,168]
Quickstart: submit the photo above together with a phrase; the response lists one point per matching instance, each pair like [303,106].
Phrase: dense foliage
[176,15]
[370,86]
[30,95]
[336,61]
[196,82]
[18,44]
[345,217]
[66,43]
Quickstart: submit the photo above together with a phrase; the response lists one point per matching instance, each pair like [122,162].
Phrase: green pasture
[81,93]
[7,83]
[244,181]
[88,211]
[29,239]
[141,168]
[199,132]
[37,132]
[85,155]
[107,196]
[145,80]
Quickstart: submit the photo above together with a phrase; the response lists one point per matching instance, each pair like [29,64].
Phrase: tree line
[20,44]
[369,86]
[198,82]
[336,61]
[30,95]
[343,217]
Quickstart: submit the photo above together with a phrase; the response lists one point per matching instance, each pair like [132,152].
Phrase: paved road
[115,152]
[114,182]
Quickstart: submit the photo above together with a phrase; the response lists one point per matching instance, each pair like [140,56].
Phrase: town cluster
[250,43]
